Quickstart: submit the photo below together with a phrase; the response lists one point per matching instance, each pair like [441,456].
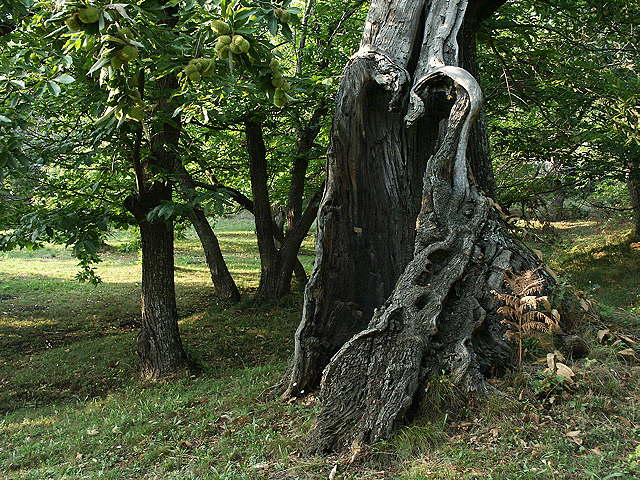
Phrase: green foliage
[634,460]
[548,385]
[82,104]
[563,102]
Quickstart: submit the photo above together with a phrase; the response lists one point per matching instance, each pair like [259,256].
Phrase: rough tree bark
[408,253]
[159,344]
[366,221]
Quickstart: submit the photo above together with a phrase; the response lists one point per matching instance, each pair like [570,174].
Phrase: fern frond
[531,327]
[535,316]
[510,323]
[506,310]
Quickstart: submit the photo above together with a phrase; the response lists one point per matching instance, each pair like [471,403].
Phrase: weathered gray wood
[409,248]
[366,218]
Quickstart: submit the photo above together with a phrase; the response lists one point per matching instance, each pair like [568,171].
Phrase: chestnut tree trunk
[159,344]
[410,246]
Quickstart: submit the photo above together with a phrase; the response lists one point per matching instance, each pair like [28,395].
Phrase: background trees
[561,85]
[140,126]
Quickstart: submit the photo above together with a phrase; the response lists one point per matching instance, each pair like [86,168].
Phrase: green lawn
[71,407]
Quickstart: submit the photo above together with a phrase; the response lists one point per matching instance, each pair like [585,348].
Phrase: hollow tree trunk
[633,184]
[366,220]
[417,287]
[223,283]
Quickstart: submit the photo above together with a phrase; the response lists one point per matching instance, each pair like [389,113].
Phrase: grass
[71,406]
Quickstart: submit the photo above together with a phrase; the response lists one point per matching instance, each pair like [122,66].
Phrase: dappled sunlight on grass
[597,257]
[73,407]
[38,290]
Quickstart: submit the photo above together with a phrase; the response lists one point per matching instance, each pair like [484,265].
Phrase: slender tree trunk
[306,138]
[279,237]
[296,189]
[290,247]
[633,184]
[265,228]
[223,283]
[276,264]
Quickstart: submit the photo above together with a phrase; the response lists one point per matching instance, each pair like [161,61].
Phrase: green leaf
[64,79]
[286,32]
[120,9]
[98,65]
[273,24]
[54,88]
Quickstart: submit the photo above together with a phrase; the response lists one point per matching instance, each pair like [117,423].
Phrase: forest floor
[71,406]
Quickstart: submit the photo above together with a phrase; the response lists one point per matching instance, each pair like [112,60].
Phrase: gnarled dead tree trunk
[366,222]
[409,248]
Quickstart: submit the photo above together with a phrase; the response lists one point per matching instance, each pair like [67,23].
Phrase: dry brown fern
[527,313]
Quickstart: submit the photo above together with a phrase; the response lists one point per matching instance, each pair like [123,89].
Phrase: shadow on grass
[68,312]
[219,338]
[610,271]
